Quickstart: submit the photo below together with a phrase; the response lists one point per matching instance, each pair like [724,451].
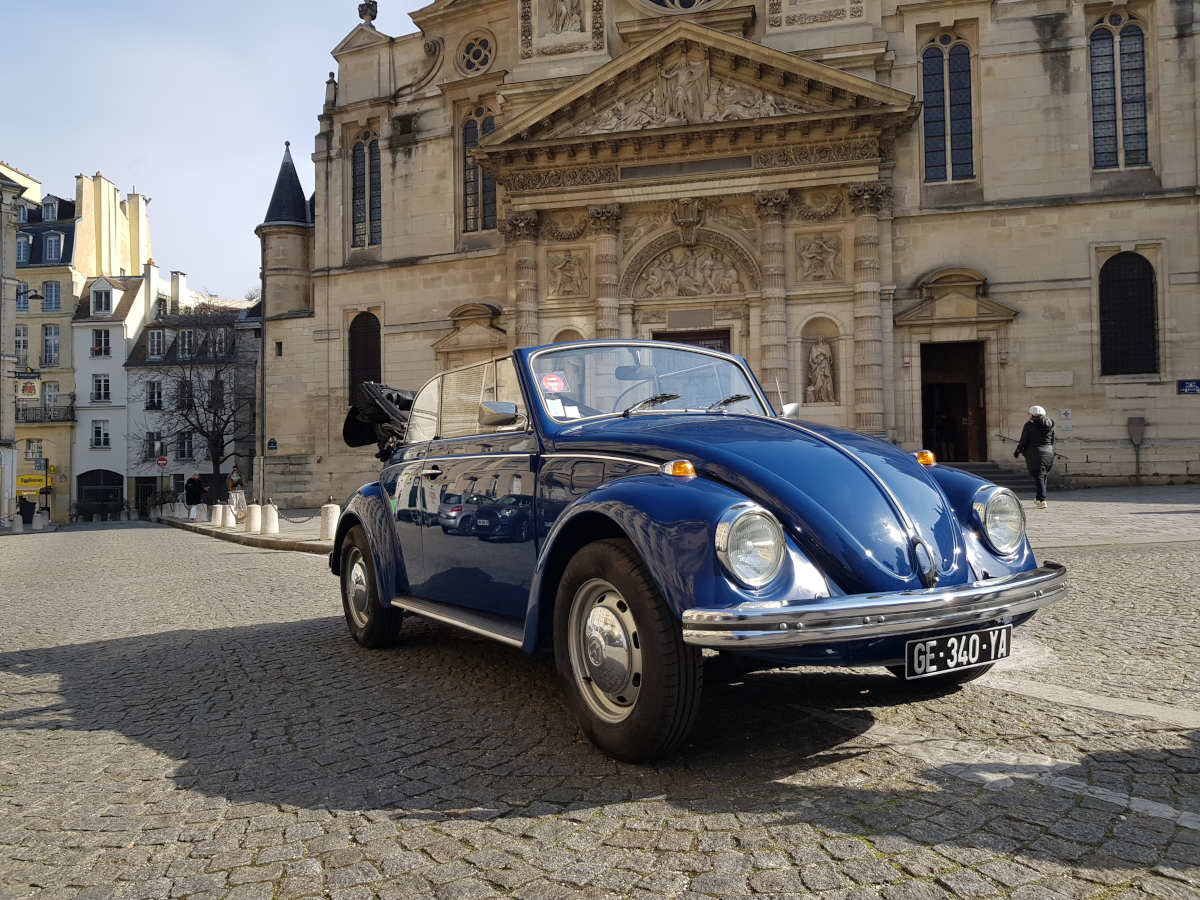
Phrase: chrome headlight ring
[1000,519]
[750,544]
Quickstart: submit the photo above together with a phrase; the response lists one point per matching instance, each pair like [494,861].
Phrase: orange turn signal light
[926,457]
[678,468]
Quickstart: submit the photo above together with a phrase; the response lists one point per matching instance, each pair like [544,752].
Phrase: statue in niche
[820,258]
[565,16]
[820,373]
[566,279]
[682,90]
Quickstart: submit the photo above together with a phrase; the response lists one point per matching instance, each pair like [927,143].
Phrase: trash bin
[26,507]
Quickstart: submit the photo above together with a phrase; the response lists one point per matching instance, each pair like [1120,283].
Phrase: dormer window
[53,247]
[22,213]
[155,345]
[24,242]
[219,340]
[50,211]
[185,344]
[102,302]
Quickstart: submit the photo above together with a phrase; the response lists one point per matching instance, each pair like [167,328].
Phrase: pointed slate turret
[287,206]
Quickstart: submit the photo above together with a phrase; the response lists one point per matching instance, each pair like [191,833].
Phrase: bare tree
[254,294]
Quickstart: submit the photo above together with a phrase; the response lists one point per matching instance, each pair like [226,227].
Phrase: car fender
[371,508]
[670,521]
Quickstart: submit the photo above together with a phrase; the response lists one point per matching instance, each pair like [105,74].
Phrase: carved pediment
[362,37]
[958,306]
[475,328]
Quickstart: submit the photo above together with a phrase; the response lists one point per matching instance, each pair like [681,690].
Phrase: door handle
[431,473]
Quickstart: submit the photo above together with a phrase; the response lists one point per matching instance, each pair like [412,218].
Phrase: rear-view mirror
[635,373]
[790,410]
[497,413]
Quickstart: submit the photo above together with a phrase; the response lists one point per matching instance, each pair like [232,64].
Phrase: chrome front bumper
[867,616]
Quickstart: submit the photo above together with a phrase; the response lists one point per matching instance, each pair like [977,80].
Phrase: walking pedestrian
[1037,445]
[193,492]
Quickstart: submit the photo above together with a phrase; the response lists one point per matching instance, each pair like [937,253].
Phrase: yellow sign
[35,480]
[53,469]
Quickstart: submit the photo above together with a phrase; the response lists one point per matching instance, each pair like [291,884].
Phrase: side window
[462,392]
[508,390]
[422,421]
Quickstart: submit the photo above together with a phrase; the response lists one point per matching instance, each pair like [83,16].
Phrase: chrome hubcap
[358,593]
[606,653]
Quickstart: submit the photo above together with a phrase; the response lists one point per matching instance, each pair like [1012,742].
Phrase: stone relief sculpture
[820,373]
[686,94]
[689,272]
[820,257]
[564,16]
[567,274]
[637,226]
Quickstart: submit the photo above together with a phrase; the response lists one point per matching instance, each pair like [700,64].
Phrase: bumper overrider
[867,616]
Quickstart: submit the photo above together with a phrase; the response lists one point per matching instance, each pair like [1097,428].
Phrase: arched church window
[366,191]
[479,188]
[1128,316]
[946,93]
[1117,56]
[365,358]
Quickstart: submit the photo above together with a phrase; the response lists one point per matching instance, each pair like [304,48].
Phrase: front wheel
[945,680]
[630,679]
[371,624]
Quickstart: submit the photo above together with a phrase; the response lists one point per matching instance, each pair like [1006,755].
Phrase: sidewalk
[1085,517]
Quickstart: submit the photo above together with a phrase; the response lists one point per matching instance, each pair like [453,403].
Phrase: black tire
[523,532]
[651,712]
[371,624]
[466,526]
[936,682]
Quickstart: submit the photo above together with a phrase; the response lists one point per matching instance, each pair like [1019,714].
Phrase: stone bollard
[18,524]
[230,516]
[329,519]
[202,512]
[253,519]
[38,525]
[270,519]
[124,515]
[218,514]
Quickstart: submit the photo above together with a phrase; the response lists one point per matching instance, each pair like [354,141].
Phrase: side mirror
[497,414]
[790,410]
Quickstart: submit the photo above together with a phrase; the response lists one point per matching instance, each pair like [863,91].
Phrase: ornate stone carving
[526,16]
[820,373]
[825,15]
[560,49]
[819,257]
[687,214]
[689,272]
[735,217]
[812,154]
[817,206]
[520,226]
[597,24]
[566,274]
[367,11]
[771,204]
[562,227]
[867,198]
[640,224]
[563,16]
[775,13]
[685,94]
[746,265]
[560,178]
[605,219]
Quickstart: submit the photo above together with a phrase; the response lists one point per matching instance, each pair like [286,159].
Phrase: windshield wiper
[732,398]
[652,400]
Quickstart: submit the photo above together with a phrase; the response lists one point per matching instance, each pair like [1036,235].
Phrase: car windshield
[581,382]
[452,498]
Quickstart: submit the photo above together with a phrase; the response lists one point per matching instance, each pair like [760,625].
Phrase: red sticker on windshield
[553,383]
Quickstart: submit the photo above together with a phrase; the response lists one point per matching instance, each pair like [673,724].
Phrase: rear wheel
[371,624]
[946,679]
[630,679]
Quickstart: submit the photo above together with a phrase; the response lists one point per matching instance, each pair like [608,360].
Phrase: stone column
[866,199]
[520,229]
[772,207]
[606,223]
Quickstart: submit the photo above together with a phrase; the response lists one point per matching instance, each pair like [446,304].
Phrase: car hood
[854,503]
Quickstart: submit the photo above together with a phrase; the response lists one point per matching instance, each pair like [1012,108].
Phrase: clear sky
[188,100]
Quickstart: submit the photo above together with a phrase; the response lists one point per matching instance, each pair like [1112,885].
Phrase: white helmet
[1037,411]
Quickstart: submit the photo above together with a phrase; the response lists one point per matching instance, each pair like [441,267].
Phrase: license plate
[936,656]
[484,522]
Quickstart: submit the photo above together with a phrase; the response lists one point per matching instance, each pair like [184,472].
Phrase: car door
[485,464]
[403,482]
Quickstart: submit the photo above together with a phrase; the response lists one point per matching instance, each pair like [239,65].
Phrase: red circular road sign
[554,383]
[162,462]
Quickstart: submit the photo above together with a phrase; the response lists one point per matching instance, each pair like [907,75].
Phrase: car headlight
[750,544]
[1001,520]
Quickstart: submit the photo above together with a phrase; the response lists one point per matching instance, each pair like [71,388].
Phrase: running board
[489,625]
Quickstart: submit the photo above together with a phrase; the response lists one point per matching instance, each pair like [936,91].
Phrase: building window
[183,395]
[183,446]
[50,211]
[154,344]
[22,213]
[1118,67]
[1128,316]
[365,364]
[50,345]
[367,194]
[279,348]
[220,343]
[946,92]
[153,448]
[154,394]
[33,448]
[22,345]
[100,389]
[100,342]
[51,296]
[50,395]
[177,482]
[185,344]
[52,247]
[22,297]
[23,242]
[100,438]
[479,189]
[102,303]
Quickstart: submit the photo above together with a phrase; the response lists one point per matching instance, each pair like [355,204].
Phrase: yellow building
[61,243]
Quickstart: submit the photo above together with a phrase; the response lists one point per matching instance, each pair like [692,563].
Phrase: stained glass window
[1117,56]
[946,93]
[376,198]
[1133,96]
[1128,316]
[359,201]
[479,188]
[366,206]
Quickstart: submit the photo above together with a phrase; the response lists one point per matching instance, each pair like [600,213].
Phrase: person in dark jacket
[193,492]
[1037,445]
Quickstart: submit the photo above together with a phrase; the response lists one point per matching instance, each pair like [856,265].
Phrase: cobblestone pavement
[183,717]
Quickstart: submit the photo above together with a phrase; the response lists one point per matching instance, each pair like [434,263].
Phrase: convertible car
[661,507]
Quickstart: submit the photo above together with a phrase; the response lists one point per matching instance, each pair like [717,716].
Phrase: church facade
[915,219]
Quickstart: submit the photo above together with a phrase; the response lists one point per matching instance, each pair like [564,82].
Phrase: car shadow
[447,725]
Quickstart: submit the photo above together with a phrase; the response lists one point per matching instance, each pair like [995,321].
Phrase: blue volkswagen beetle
[670,509]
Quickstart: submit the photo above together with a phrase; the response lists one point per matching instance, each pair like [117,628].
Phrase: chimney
[179,291]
